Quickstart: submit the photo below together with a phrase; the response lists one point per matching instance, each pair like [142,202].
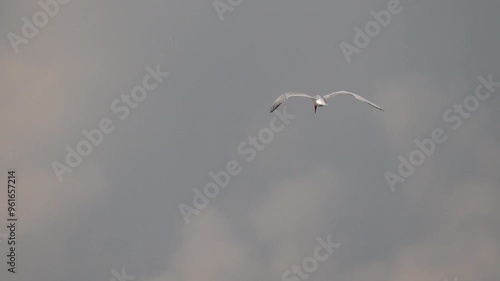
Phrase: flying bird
[319,101]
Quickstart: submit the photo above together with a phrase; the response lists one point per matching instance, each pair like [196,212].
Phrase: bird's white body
[319,101]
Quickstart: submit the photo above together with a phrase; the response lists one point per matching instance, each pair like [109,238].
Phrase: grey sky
[322,175]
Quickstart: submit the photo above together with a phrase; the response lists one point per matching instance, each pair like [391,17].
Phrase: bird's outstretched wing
[281,99]
[354,95]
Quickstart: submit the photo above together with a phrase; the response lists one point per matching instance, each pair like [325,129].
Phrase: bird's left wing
[354,95]
[281,99]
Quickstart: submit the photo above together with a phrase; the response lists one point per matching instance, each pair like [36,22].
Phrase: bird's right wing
[358,97]
[281,99]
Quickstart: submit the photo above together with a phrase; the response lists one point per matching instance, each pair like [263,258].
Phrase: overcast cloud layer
[322,175]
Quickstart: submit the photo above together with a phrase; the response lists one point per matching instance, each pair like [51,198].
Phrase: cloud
[293,204]
[462,244]
[209,251]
